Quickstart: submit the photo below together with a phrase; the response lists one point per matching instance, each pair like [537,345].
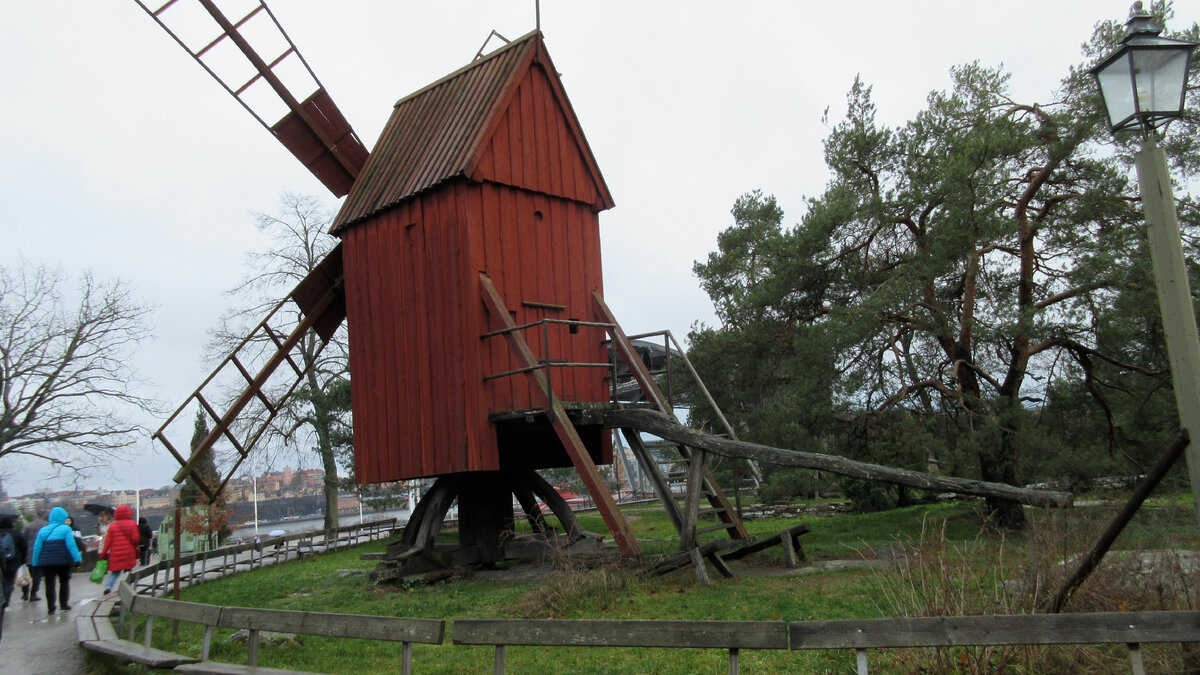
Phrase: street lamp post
[1143,84]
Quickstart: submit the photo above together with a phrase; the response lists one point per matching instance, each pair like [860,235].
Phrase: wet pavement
[37,643]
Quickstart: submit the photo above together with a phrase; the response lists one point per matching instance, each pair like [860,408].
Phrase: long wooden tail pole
[558,419]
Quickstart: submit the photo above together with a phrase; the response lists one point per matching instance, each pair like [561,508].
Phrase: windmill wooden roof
[503,118]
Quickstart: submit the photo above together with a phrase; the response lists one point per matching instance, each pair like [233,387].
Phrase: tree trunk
[1000,466]
[322,423]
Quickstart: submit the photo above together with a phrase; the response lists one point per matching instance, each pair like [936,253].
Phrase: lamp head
[1144,80]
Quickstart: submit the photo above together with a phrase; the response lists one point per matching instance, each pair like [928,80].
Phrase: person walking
[12,556]
[145,535]
[56,553]
[30,593]
[120,546]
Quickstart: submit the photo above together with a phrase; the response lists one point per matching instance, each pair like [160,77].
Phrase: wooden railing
[195,568]
[1131,629]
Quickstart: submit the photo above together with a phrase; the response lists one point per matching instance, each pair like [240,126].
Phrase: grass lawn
[952,567]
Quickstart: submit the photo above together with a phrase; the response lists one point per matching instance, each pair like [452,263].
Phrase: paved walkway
[37,643]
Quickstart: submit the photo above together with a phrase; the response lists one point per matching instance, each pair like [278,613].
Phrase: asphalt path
[35,642]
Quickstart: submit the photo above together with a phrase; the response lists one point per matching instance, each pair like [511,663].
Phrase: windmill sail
[312,128]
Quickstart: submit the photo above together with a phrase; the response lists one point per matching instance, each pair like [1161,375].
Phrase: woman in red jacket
[120,546]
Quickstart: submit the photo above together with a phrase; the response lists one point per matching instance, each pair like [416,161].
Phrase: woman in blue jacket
[56,552]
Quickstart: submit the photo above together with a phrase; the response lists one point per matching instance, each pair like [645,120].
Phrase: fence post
[1135,659]
[499,667]
[861,655]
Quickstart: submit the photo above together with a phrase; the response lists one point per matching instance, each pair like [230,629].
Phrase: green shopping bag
[99,571]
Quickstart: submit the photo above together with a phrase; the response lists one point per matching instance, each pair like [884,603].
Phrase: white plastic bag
[23,577]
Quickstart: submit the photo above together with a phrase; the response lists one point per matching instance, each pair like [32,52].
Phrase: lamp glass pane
[1116,88]
[1160,78]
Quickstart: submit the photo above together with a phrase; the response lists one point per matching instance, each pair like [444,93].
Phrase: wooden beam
[563,427]
[659,424]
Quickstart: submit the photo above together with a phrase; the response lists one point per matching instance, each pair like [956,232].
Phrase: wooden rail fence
[1132,629]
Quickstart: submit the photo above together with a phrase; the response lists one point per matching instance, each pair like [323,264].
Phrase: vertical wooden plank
[528,133]
[365,335]
[520,277]
[574,285]
[576,176]
[540,230]
[371,401]
[501,154]
[421,278]
[733,661]
[549,125]
[252,648]
[435,323]
[535,81]
[406,659]
[389,377]
[467,343]
[500,391]
[516,139]
[353,315]
[558,269]
[591,262]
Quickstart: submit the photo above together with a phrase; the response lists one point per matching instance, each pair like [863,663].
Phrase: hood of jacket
[124,512]
[58,516]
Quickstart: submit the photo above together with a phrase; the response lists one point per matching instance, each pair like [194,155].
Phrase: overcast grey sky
[121,155]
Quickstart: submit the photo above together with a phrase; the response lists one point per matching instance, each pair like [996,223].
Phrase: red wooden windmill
[469,272]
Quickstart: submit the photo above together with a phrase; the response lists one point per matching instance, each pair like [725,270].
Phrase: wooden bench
[253,620]
[731,635]
[96,632]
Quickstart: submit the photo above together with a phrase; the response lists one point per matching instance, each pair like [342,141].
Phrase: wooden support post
[691,507]
[790,559]
[861,658]
[499,667]
[563,427]
[698,567]
[733,661]
[1136,666]
[252,648]
[650,468]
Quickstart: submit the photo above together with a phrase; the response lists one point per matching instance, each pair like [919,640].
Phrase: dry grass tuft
[935,577]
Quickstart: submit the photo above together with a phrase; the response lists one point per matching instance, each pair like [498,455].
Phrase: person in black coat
[9,572]
[146,535]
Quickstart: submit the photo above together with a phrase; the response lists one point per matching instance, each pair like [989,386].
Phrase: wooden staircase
[700,483]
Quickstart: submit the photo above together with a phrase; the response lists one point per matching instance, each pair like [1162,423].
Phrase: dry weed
[935,577]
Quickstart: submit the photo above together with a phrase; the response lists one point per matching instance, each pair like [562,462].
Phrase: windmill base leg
[486,521]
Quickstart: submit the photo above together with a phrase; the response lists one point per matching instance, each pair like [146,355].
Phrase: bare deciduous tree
[309,420]
[65,376]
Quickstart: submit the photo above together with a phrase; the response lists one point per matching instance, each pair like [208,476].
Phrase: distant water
[309,524]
